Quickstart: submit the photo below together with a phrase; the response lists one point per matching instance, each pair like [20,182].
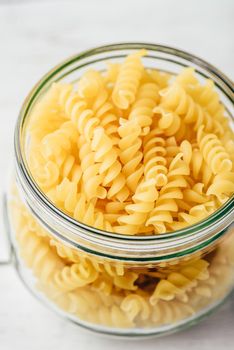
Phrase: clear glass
[125,285]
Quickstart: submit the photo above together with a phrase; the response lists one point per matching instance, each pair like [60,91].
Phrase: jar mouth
[39,199]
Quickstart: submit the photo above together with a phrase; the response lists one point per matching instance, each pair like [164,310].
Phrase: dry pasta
[125,131]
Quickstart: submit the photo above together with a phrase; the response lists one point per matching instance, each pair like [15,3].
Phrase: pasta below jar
[133,150]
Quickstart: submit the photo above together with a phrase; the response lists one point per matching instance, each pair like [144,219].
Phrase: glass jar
[110,283]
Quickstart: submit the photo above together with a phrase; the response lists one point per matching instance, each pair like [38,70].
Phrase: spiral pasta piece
[144,200]
[65,252]
[79,112]
[154,159]
[200,170]
[165,313]
[47,174]
[38,255]
[161,79]
[126,281]
[195,194]
[195,214]
[175,98]
[172,149]
[178,283]
[165,206]
[112,72]
[135,306]
[101,103]
[91,177]
[65,195]
[203,94]
[142,110]
[87,214]
[47,116]
[71,170]
[90,84]
[128,80]
[105,112]
[130,154]
[107,155]
[54,143]
[187,79]
[213,152]
[222,186]
[219,276]
[75,276]
[169,122]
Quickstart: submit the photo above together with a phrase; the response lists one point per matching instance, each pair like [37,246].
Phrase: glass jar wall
[144,285]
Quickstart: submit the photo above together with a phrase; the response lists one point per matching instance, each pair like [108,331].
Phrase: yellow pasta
[178,283]
[155,164]
[176,99]
[142,109]
[130,153]
[126,131]
[128,80]
[213,152]
[107,155]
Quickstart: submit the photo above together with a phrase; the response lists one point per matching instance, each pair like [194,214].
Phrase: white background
[36,35]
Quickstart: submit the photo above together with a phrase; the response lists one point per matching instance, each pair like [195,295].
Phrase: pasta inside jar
[124,216]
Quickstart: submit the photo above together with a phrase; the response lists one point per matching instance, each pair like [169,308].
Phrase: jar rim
[224,215]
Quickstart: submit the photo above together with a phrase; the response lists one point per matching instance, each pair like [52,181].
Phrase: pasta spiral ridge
[105,112]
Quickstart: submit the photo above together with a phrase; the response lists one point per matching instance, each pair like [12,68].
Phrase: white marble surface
[34,36]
